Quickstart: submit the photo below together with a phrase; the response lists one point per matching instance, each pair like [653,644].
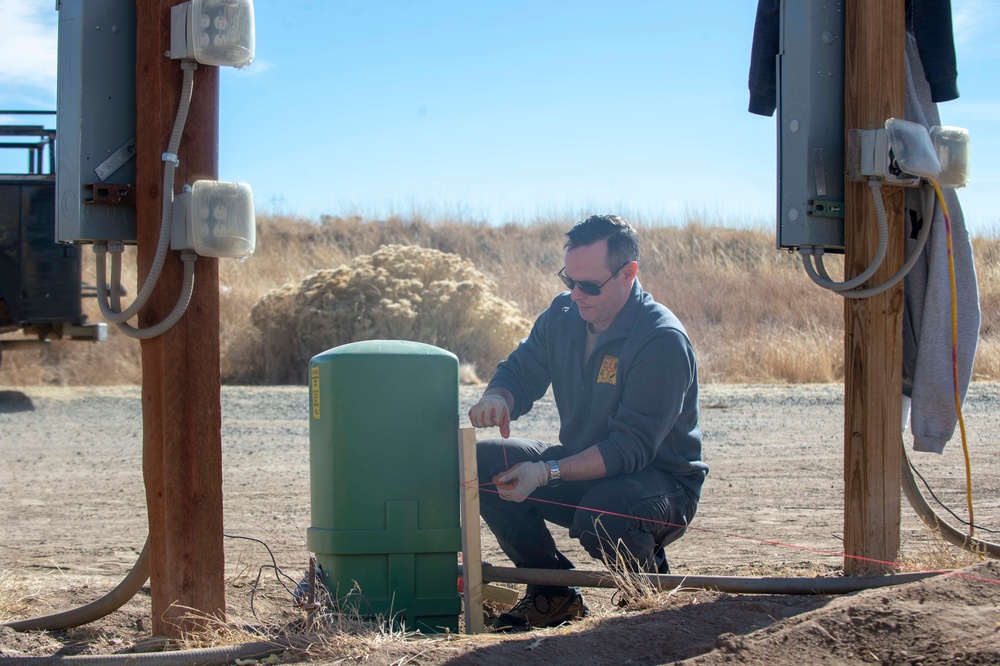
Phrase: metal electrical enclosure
[810,95]
[95,103]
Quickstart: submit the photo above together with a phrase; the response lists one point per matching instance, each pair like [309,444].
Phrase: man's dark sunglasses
[589,288]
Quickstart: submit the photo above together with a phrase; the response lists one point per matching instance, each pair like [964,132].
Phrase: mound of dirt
[399,292]
[947,619]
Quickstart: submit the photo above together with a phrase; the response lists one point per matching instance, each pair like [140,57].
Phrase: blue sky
[505,111]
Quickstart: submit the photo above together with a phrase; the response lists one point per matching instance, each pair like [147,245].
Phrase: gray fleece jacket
[927,360]
[636,399]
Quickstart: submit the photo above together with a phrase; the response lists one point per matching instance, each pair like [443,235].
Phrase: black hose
[95,610]
[949,533]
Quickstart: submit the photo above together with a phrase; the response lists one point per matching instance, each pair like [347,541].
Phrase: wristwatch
[555,476]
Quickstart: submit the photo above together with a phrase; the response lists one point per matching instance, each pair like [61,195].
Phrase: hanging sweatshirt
[927,330]
[931,76]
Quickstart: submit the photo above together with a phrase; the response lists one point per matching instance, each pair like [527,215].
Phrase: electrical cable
[904,270]
[116,316]
[930,491]
[883,243]
[926,513]
[820,276]
[954,355]
[183,300]
[278,573]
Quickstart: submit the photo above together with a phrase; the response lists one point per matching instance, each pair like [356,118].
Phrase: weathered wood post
[181,386]
[874,91]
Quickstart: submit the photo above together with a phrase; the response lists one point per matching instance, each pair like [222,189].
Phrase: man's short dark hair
[623,242]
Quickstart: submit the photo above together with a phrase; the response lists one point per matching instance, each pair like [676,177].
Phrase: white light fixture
[912,148]
[952,147]
[213,32]
[215,219]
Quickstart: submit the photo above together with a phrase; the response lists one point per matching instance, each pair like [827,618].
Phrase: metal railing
[45,143]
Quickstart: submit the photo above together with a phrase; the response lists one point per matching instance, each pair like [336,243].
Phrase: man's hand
[491,410]
[517,483]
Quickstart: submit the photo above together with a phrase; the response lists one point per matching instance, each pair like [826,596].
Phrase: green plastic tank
[384,481]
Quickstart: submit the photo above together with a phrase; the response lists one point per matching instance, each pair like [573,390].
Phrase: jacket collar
[625,318]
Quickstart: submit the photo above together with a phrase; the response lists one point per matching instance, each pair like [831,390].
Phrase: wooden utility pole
[181,386]
[873,361]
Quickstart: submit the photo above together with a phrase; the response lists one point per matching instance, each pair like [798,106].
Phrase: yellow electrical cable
[954,354]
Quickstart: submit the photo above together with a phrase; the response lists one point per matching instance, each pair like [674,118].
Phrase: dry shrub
[752,313]
[396,293]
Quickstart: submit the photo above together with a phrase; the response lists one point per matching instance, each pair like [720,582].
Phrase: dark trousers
[624,521]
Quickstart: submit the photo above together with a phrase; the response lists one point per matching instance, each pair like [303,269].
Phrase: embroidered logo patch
[609,370]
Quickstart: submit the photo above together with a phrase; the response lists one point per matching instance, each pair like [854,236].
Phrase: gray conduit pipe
[224,654]
[87,613]
[935,522]
[732,584]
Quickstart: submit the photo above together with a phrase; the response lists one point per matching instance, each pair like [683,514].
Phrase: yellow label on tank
[315,392]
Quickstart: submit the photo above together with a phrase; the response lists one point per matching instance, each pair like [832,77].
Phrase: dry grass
[933,553]
[752,313]
[14,596]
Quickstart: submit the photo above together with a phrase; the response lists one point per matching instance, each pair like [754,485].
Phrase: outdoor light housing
[911,149]
[952,147]
[213,32]
[215,219]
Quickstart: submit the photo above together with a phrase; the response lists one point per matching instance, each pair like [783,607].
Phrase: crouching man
[626,475]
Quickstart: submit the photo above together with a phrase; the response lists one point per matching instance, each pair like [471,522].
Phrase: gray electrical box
[811,125]
[95,103]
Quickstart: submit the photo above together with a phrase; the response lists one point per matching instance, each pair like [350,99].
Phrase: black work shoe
[535,611]
[660,562]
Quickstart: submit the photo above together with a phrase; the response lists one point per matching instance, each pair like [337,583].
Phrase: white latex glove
[491,410]
[517,483]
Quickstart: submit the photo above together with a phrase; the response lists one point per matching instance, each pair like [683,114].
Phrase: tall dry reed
[752,313]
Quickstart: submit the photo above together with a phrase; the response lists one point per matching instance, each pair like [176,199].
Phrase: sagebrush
[752,313]
[399,292]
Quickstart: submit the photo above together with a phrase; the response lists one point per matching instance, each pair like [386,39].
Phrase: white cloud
[28,43]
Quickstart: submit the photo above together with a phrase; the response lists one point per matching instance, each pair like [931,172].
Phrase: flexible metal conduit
[198,657]
[936,523]
[85,614]
[732,584]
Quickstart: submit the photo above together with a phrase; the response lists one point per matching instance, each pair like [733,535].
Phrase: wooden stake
[874,92]
[472,553]
[182,414]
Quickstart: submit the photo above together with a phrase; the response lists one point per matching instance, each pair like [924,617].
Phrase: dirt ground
[72,520]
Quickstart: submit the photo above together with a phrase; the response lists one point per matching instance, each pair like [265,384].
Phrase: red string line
[767,542]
